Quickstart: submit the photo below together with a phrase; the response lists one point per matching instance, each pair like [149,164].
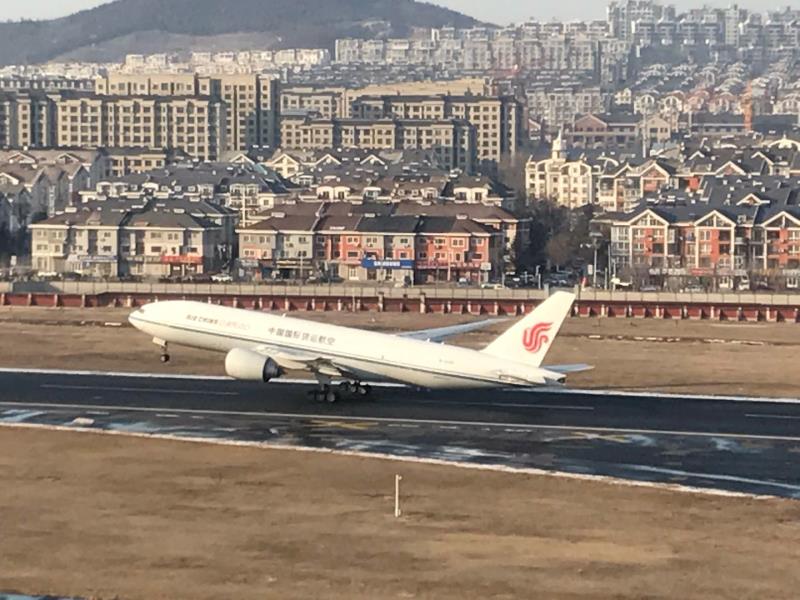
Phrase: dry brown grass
[48,338]
[147,519]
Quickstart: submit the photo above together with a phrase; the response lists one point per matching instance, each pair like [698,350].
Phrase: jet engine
[251,366]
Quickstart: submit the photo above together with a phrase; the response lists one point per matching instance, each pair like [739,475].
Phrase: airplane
[263,347]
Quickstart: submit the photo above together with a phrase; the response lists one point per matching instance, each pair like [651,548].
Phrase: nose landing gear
[165,357]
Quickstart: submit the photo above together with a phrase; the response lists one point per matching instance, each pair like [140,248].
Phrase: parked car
[558,281]
[694,288]
[618,284]
[199,278]
[222,278]
[763,286]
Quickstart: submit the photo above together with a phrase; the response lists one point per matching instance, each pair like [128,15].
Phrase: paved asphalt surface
[741,446]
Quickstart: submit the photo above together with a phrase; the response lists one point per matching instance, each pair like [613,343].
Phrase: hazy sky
[497,11]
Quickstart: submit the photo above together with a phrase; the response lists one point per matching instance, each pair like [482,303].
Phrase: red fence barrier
[639,309]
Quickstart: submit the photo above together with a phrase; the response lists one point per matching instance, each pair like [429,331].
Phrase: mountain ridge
[294,23]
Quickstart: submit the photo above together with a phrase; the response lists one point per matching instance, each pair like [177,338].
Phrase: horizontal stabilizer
[567,369]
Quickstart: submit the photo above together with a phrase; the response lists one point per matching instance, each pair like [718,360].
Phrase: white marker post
[397,512]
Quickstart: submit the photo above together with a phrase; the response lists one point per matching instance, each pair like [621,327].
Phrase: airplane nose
[134,318]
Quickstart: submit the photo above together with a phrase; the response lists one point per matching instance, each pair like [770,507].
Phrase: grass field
[750,359]
[108,517]
[114,517]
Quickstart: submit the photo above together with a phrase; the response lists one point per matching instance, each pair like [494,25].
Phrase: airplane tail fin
[529,340]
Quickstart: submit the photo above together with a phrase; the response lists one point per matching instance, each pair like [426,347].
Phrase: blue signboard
[374,263]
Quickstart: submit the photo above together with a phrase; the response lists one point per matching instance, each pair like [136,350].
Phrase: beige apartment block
[251,100]
[497,119]
[452,141]
[329,103]
[27,119]
[194,124]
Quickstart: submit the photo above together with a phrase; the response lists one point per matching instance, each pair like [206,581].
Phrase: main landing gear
[356,388]
[327,393]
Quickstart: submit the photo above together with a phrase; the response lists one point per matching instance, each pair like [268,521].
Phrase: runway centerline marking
[503,405]
[783,417]
[411,422]
[49,386]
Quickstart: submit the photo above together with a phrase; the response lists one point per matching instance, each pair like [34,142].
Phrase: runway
[740,445]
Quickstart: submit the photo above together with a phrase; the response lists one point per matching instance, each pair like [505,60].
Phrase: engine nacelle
[251,366]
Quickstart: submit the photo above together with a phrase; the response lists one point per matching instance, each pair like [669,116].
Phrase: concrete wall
[371,291]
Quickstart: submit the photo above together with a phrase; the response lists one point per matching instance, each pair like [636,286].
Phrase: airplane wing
[567,369]
[292,360]
[441,333]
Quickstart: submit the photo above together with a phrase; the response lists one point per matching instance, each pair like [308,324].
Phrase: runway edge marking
[605,479]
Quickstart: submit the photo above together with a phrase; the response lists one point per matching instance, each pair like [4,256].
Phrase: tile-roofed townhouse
[15,215]
[456,248]
[280,246]
[169,242]
[82,239]
[732,229]
[381,249]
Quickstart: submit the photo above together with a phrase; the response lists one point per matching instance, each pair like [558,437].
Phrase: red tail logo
[535,337]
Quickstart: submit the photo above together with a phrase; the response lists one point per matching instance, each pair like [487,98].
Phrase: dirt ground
[703,357]
[144,519]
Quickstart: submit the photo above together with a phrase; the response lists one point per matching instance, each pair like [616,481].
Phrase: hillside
[292,23]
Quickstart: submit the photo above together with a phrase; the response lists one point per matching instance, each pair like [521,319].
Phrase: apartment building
[27,119]
[126,161]
[239,188]
[281,246]
[570,182]
[44,83]
[372,247]
[528,47]
[78,240]
[556,105]
[120,238]
[15,214]
[734,229]
[194,124]
[93,162]
[620,186]
[166,243]
[497,120]
[619,130]
[328,103]
[251,100]
[451,141]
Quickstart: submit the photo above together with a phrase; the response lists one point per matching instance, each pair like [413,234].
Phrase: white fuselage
[371,355]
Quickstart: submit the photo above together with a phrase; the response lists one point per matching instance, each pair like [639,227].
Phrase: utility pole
[397,511]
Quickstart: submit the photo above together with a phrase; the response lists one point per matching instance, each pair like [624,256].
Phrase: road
[740,446]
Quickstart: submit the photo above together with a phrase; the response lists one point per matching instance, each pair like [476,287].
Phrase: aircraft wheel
[345,387]
[330,397]
[165,358]
[366,390]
